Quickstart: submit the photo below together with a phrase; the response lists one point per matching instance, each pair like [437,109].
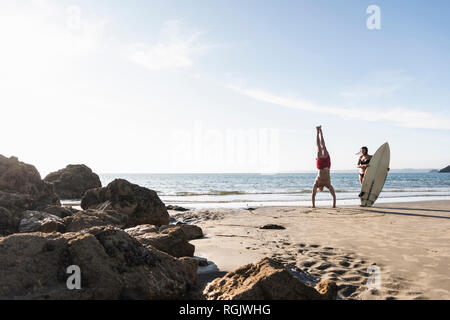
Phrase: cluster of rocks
[121,240]
[40,239]
[21,189]
[114,265]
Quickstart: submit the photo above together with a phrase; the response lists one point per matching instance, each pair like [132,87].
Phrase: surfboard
[375,176]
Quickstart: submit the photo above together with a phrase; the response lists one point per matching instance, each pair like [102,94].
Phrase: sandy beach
[409,242]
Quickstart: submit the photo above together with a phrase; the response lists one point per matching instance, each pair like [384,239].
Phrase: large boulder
[73,181]
[445,170]
[172,240]
[265,280]
[19,178]
[143,206]
[94,218]
[21,183]
[113,266]
[35,221]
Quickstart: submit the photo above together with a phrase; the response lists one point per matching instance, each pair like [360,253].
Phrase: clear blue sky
[160,86]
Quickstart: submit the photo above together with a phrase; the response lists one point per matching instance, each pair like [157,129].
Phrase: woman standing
[363,163]
[323,165]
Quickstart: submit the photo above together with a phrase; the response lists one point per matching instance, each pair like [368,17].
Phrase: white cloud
[381,84]
[172,51]
[402,117]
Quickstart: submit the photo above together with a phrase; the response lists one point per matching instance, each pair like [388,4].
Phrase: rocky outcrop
[113,265]
[35,221]
[445,170]
[173,240]
[94,218]
[143,206]
[21,187]
[265,280]
[73,181]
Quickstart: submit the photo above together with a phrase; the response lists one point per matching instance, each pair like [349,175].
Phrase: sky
[223,86]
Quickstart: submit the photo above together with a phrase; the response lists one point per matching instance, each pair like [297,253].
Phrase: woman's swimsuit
[363,162]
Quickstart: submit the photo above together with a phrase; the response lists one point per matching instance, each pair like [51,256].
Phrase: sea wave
[303,191]
[410,196]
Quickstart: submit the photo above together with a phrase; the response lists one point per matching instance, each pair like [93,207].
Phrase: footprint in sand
[344,264]
[326,263]
[323,266]
[308,264]
[346,290]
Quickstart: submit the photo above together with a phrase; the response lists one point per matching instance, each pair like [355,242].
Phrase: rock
[73,181]
[445,170]
[265,280]
[202,262]
[22,188]
[113,266]
[272,227]
[16,202]
[59,211]
[172,240]
[192,232]
[35,221]
[176,208]
[9,223]
[94,218]
[328,289]
[143,206]
[142,230]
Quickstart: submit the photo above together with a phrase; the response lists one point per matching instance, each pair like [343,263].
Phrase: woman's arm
[358,165]
[362,166]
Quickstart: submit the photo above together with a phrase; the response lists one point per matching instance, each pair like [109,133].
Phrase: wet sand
[409,242]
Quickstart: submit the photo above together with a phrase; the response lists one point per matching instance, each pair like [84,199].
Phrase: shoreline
[408,241]
[300,203]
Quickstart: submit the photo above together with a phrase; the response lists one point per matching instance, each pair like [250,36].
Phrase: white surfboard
[375,176]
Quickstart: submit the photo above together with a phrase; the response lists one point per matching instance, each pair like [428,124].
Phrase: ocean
[288,189]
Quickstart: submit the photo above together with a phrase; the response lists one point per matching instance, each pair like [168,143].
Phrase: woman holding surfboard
[373,173]
[323,165]
[363,163]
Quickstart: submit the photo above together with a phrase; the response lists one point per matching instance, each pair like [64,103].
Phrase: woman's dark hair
[365,149]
